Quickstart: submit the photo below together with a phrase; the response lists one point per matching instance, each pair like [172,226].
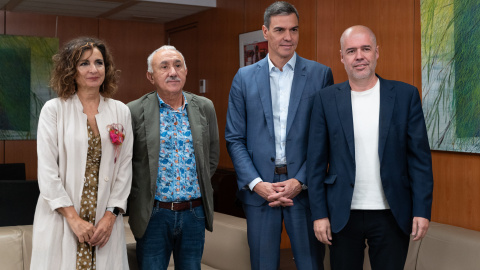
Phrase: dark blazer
[403,149]
[249,130]
[146,147]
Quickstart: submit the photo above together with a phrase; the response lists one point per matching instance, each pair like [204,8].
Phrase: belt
[281,170]
[178,206]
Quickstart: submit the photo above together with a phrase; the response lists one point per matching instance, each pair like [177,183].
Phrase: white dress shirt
[280,88]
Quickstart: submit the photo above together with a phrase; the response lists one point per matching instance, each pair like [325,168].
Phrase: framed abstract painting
[25,65]
[450,73]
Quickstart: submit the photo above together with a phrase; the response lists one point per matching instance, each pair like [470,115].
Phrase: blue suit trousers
[265,229]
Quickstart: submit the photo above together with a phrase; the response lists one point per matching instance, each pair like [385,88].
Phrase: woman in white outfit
[84,147]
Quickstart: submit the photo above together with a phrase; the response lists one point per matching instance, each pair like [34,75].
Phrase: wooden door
[185,39]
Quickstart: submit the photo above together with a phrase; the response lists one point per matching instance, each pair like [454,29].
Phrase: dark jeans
[180,232]
[387,243]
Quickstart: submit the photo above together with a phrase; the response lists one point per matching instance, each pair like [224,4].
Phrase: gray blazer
[146,147]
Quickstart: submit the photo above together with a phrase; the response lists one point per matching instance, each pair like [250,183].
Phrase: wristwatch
[115,210]
[304,187]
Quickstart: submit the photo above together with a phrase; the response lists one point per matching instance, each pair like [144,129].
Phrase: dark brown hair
[65,67]
[278,8]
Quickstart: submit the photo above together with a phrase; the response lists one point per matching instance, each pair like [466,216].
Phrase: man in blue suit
[369,164]
[266,132]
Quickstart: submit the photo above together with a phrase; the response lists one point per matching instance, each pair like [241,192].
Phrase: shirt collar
[291,63]
[163,104]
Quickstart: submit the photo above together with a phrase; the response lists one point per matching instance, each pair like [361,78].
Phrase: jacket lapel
[151,116]
[197,121]
[344,107]
[387,104]
[298,85]
[262,78]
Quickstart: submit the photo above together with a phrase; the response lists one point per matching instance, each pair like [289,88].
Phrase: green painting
[25,65]
[451,73]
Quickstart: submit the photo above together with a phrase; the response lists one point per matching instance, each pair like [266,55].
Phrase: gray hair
[278,8]
[163,48]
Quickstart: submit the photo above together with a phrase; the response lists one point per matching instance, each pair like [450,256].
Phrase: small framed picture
[253,47]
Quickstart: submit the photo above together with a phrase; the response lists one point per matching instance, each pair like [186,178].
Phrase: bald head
[359,55]
[357,29]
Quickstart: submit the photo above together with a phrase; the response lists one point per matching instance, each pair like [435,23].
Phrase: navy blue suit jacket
[403,149]
[249,130]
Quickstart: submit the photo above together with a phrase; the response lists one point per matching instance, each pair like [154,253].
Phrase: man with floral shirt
[175,153]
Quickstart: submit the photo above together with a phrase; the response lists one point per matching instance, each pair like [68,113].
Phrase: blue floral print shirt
[177,173]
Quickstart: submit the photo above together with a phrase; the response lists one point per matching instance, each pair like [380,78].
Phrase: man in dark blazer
[175,153]
[369,164]
[266,132]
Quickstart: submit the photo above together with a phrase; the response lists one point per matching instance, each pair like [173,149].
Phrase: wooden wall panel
[2,151]
[221,67]
[327,45]
[182,39]
[391,21]
[455,197]
[253,14]
[23,152]
[254,10]
[417,48]
[131,43]
[218,57]
[73,27]
[2,22]
[307,28]
[30,24]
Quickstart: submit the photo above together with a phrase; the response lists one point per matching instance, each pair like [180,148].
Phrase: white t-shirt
[368,192]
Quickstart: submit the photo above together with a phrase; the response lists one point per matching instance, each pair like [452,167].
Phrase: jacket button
[352,185]
[272,159]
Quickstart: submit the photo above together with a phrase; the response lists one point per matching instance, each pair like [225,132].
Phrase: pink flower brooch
[116,136]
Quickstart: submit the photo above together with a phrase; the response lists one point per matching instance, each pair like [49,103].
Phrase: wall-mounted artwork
[253,47]
[451,73]
[25,65]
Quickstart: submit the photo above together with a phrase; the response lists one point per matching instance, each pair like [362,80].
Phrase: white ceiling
[159,11]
